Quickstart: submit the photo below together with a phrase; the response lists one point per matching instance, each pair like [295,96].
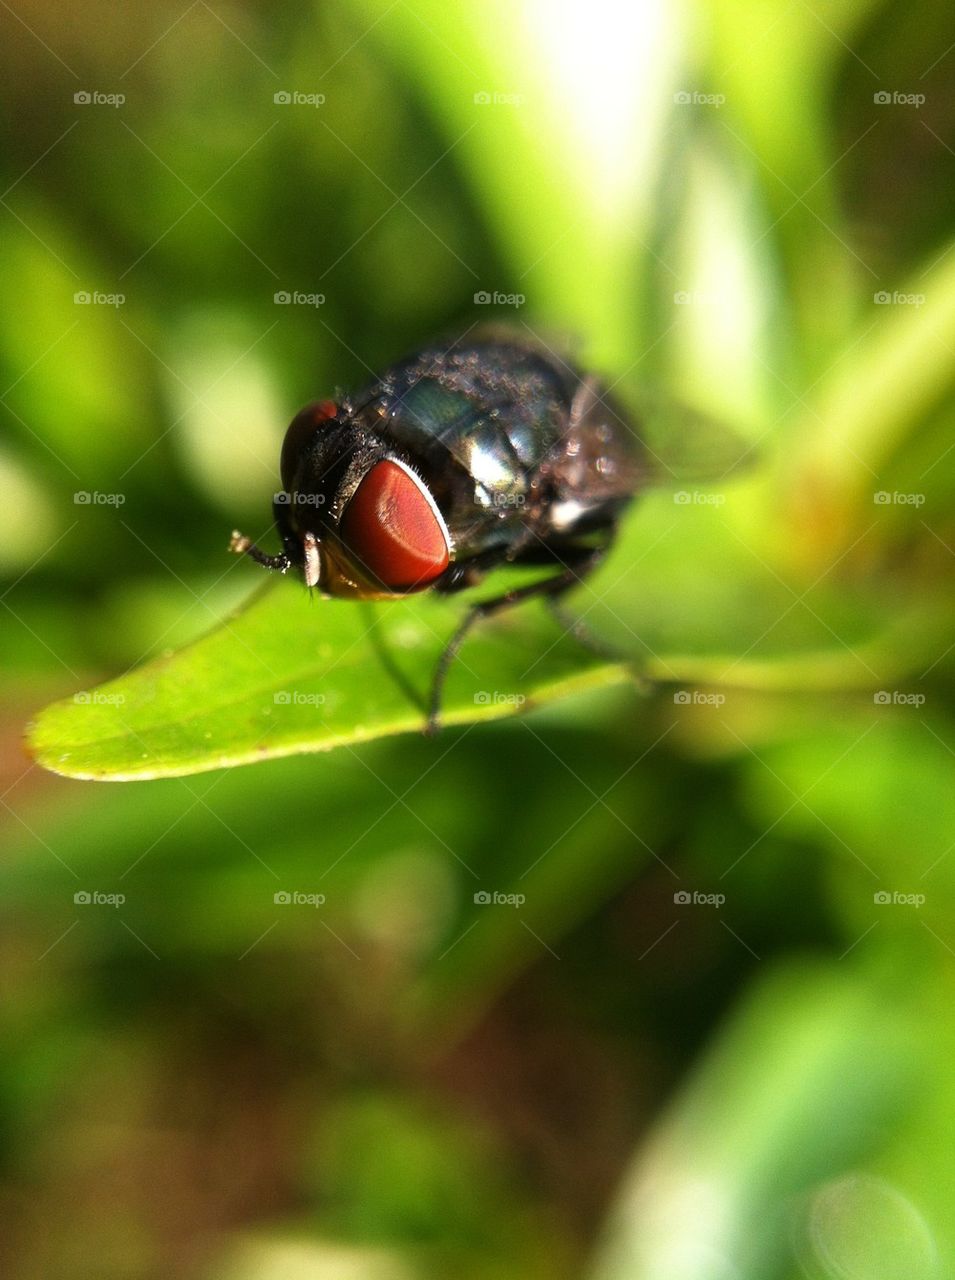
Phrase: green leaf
[286,674]
[776,1113]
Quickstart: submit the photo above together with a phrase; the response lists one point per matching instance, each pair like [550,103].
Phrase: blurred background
[714,1040]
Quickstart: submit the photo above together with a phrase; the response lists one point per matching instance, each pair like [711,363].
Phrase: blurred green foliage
[714,1040]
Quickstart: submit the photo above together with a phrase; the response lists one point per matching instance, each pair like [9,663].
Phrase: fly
[450,464]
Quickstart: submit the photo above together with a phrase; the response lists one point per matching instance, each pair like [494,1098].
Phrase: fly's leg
[577,627]
[583,634]
[578,562]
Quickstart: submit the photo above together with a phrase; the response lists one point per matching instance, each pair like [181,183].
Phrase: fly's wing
[685,446]
[606,457]
[598,464]
[653,439]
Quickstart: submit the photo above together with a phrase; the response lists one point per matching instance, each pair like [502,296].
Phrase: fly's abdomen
[596,467]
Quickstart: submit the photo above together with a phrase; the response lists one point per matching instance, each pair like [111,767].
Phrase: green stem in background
[558,121]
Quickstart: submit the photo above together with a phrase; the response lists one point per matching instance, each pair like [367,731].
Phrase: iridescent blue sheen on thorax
[477,423]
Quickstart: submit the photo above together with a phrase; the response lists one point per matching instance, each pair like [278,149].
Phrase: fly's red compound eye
[394,529]
[322,411]
[299,435]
